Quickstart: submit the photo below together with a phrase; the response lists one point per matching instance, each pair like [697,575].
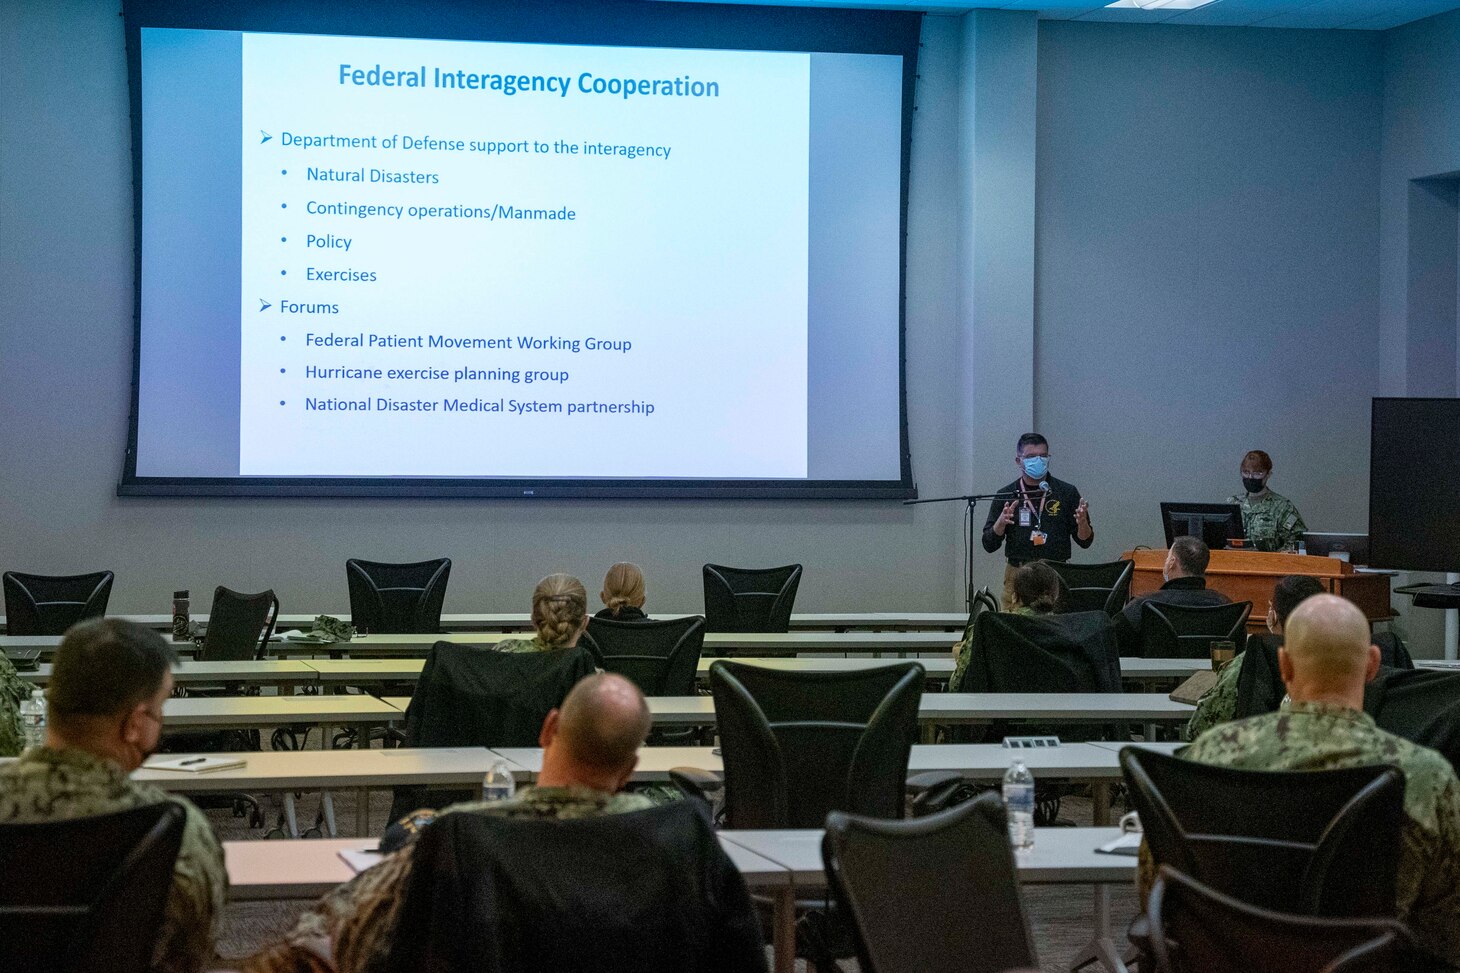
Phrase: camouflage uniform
[13,692]
[1271,521]
[56,785]
[353,926]
[1218,704]
[534,644]
[1319,736]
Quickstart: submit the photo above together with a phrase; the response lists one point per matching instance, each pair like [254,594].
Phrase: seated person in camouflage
[1034,590]
[13,692]
[1219,704]
[1325,661]
[559,616]
[1269,520]
[590,749]
[104,704]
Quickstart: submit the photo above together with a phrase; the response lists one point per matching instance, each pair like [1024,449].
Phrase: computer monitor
[1215,523]
[1353,548]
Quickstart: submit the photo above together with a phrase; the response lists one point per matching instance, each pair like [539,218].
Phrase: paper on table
[1126,844]
[360,860]
[197,765]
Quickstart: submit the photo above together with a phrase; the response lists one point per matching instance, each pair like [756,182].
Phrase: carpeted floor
[1061,917]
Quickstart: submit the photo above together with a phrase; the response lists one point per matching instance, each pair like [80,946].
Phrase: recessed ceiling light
[1158,4]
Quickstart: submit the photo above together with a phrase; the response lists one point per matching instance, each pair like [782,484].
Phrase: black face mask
[1253,484]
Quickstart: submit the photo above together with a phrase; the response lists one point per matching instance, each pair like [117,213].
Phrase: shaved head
[1328,648]
[603,722]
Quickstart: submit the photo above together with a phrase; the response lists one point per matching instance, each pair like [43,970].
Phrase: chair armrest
[696,783]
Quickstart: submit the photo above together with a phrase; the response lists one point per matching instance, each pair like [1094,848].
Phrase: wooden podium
[1250,576]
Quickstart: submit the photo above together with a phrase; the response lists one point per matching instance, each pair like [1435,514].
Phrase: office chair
[1199,930]
[239,625]
[658,656]
[1187,632]
[39,604]
[1321,842]
[397,599]
[750,599]
[87,895]
[938,894]
[1095,587]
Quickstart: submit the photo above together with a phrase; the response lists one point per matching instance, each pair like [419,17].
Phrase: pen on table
[189,763]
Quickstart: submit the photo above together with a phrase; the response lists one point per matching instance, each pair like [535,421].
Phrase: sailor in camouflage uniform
[1269,520]
[351,929]
[13,692]
[1325,662]
[105,717]
[1219,704]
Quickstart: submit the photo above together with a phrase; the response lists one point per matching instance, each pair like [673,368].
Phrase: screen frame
[639,23]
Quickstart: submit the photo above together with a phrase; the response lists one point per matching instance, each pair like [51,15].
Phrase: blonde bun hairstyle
[559,605]
[623,586]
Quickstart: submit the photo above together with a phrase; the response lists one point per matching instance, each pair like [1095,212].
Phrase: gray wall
[1088,202]
[65,343]
[1206,278]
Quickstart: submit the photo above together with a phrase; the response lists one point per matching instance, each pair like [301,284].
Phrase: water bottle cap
[179,594]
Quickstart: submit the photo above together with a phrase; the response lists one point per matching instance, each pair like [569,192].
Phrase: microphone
[1044,485]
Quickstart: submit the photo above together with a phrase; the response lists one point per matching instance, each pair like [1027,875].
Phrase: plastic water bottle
[33,719]
[1019,804]
[497,784]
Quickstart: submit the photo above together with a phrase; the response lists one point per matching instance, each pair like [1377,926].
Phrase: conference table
[779,864]
[506,622]
[290,674]
[270,712]
[779,643]
[408,646]
[1148,708]
[1096,765]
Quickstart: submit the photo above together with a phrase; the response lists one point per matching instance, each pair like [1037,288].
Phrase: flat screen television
[1414,484]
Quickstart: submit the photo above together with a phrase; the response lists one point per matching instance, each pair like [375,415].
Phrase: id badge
[1025,518]
[1038,537]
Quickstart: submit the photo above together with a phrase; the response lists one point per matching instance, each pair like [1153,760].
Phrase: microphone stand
[971,501]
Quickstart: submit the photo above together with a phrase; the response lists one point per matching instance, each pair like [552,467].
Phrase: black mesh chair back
[1095,587]
[937,894]
[750,599]
[1196,929]
[799,745]
[239,625]
[1320,842]
[1012,653]
[660,657]
[397,599]
[648,891]
[1421,705]
[87,895]
[475,696]
[39,604]
[1187,631]
[985,598]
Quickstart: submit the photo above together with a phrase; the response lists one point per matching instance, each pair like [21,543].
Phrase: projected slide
[387,259]
[468,258]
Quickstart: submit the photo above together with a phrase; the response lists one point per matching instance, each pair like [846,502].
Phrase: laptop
[1353,548]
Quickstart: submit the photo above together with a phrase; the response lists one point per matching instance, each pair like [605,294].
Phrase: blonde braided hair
[623,585]
[559,604]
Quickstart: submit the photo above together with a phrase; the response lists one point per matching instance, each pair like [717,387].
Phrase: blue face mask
[1036,466]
